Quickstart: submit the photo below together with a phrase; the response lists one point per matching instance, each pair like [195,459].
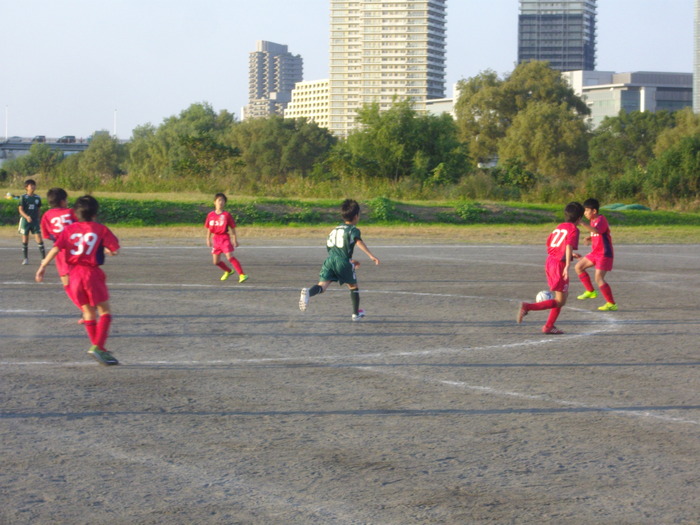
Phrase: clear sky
[70,67]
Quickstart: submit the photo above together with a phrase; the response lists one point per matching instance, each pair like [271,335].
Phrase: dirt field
[231,406]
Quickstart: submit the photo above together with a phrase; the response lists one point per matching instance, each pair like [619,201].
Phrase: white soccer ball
[544,295]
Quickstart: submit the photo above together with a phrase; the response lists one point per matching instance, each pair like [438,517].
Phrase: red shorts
[88,285]
[601,263]
[221,244]
[554,270]
[61,265]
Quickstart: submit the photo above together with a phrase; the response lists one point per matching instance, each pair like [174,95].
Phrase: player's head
[86,207]
[591,204]
[573,212]
[223,198]
[56,196]
[349,210]
[28,183]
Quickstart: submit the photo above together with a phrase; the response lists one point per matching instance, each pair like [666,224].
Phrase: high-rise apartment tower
[696,64]
[381,51]
[272,73]
[562,32]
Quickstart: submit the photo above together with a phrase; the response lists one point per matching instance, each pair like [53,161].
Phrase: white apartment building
[310,100]
[381,51]
[607,93]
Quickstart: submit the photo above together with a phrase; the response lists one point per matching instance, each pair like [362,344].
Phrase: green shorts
[338,269]
[25,228]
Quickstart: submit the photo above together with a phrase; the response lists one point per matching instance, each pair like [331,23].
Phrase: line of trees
[520,136]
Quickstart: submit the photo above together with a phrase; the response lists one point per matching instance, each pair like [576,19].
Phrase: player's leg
[549,328]
[101,331]
[25,245]
[216,260]
[237,266]
[307,293]
[581,266]
[357,313]
[605,289]
[40,244]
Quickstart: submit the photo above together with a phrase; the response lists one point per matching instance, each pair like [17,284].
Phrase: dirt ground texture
[232,406]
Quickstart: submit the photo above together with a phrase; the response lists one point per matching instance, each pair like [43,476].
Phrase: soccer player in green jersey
[29,214]
[339,265]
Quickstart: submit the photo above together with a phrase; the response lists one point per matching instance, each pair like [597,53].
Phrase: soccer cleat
[551,330]
[608,307]
[25,261]
[359,315]
[226,275]
[242,278]
[522,312]
[304,299]
[588,295]
[102,356]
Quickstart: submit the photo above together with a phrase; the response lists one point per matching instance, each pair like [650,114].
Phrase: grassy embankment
[181,216]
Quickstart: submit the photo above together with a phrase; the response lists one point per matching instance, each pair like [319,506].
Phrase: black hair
[349,209]
[56,196]
[223,196]
[573,212]
[28,182]
[592,204]
[86,207]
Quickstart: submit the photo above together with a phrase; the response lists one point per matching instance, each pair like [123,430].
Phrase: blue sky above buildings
[72,66]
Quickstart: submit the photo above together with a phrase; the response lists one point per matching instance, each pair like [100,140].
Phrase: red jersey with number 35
[219,223]
[566,234]
[84,243]
[54,220]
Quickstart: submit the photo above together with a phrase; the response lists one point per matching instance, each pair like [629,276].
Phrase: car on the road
[66,139]
[39,138]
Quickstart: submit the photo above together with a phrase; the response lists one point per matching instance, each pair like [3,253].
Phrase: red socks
[607,293]
[236,265]
[543,305]
[586,280]
[98,331]
[223,266]
[553,314]
[91,329]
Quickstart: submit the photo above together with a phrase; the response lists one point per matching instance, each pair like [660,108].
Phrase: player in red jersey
[218,224]
[85,244]
[601,256]
[561,244]
[52,224]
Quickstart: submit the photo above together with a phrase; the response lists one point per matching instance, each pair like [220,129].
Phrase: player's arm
[39,277]
[234,237]
[24,214]
[569,257]
[362,246]
[208,237]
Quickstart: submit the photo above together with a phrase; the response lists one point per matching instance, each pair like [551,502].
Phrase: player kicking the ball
[339,265]
[561,244]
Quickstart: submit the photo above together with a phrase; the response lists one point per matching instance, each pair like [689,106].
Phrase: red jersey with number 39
[84,243]
[566,234]
[54,220]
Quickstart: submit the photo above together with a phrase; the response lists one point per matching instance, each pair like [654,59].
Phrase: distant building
[381,51]
[606,93]
[696,65]
[310,100]
[272,73]
[561,32]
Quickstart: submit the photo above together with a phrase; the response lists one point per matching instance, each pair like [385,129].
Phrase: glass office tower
[561,32]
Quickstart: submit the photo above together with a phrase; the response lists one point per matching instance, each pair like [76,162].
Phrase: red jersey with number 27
[566,234]
[84,243]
